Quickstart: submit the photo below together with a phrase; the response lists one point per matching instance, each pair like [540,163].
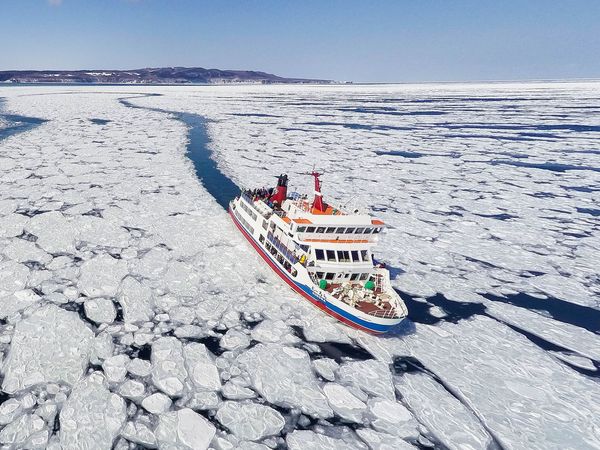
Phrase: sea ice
[344,403]
[283,376]
[100,310]
[450,421]
[371,376]
[250,421]
[184,429]
[101,276]
[136,300]
[168,367]
[393,418]
[486,188]
[304,439]
[201,369]
[92,417]
[157,403]
[50,345]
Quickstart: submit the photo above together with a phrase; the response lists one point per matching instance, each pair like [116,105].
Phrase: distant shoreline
[328,83]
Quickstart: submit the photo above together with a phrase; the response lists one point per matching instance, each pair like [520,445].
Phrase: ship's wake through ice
[133,314]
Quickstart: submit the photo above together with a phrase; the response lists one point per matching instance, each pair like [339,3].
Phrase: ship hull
[372,325]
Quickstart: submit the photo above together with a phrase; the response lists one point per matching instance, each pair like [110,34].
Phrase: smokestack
[280,193]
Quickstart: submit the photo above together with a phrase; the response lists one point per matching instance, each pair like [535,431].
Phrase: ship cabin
[333,245]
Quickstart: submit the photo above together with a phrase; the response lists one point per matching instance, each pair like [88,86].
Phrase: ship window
[265,224]
[310,229]
[320,275]
[301,229]
[321,230]
[343,256]
[340,230]
[376,230]
[330,255]
[329,276]
[320,254]
[349,230]
[364,255]
[304,247]
[355,256]
[364,276]
[261,239]
[360,230]
[330,230]
[354,277]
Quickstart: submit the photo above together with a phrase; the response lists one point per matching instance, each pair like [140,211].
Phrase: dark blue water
[552,166]
[17,124]
[216,183]
[100,121]
[358,126]
[401,153]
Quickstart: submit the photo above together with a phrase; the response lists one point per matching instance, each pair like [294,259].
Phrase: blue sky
[398,40]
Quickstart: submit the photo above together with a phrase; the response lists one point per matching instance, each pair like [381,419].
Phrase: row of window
[339,230]
[289,254]
[279,257]
[243,221]
[249,210]
[342,255]
[342,276]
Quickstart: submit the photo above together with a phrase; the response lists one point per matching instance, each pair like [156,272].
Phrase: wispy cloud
[55,2]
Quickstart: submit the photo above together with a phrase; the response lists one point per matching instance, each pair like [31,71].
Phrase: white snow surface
[113,253]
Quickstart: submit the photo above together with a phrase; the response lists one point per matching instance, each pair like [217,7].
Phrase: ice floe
[250,421]
[92,417]
[51,345]
[184,429]
[283,376]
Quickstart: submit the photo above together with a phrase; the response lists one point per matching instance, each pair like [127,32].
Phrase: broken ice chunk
[100,310]
[139,367]
[139,433]
[157,403]
[92,416]
[136,300]
[372,376]
[16,302]
[305,439]
[201,368]
[168,369]
[115,368]
[283,376]
[54,232]
[50,345]
[184,429]
[393,418]
[235,340]
[250,421]
[19,433]
[101,276]
[344,403]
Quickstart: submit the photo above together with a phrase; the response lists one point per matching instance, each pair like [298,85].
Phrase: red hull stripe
[298,289]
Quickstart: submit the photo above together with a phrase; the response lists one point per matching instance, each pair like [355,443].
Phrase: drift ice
[322,252]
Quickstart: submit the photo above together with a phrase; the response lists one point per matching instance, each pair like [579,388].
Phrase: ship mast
[318,201]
